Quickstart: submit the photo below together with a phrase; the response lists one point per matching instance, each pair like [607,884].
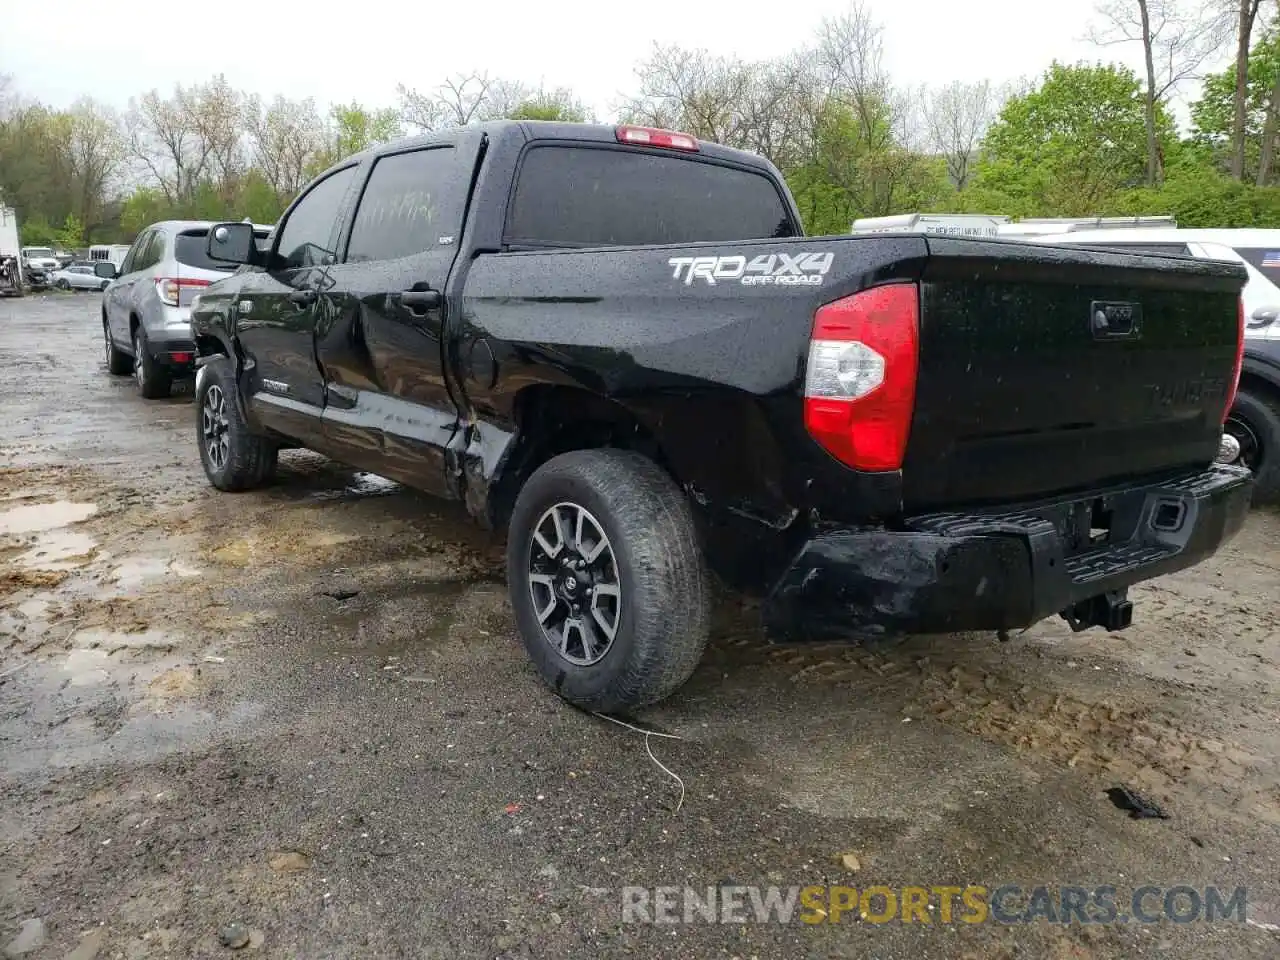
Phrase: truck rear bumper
[1010,568]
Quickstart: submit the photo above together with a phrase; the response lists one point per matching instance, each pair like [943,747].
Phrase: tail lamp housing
[860,379]
[169,289]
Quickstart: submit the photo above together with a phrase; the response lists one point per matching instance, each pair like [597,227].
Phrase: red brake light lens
[652,137]
[860,381]
[170,288]
[1239,366]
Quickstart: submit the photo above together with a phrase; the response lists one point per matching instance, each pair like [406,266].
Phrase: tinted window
[1266,260]
[575,196]
[134,255]
[190,249]
[304,240]
[149,254]
[411,202]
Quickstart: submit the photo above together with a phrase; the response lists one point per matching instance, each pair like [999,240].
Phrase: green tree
[1213,114]
[1072,144]
[72,233]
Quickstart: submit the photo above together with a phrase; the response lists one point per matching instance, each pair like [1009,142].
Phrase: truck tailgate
[1049,369]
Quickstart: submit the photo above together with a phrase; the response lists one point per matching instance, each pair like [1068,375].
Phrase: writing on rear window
[767,269]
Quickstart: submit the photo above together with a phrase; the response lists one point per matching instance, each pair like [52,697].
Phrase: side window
[304,239]
[135,252]
[411,204]
[155,252]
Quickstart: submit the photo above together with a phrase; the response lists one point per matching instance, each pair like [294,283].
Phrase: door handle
[418,302]
[303,298]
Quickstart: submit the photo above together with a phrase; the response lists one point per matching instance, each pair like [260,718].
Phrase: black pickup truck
[618,344]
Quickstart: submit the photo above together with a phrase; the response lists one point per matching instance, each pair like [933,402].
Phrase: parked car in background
[1254,420]
[39,265]
[78,277]
[146,308]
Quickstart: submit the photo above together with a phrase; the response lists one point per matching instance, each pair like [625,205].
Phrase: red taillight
[860,381]
[180,357]
[651,137]
[169,288]
[1239,366]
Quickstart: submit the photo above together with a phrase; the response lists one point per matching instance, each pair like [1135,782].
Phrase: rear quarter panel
[710,365]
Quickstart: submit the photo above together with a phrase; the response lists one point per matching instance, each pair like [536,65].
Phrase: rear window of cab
[580,196]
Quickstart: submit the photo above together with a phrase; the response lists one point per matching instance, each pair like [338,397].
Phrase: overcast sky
[339,51]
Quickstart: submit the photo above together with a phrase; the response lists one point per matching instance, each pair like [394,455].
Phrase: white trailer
[10,254]
[1046,226]
[112,252]
[944,224]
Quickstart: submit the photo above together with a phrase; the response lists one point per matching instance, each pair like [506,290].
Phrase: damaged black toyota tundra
[618,345]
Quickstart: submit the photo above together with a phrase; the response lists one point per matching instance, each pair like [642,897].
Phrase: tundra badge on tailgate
[777,269]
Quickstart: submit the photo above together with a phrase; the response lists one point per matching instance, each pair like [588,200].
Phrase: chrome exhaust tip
[1228,449]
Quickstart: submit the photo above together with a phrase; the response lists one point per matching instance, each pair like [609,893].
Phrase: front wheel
[1254,421]
[606,579]
[233,456]
[63,285]
[102,287]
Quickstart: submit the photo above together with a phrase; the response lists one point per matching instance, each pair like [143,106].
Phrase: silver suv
[146,309]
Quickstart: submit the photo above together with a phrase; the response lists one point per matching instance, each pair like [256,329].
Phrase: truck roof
[558,130]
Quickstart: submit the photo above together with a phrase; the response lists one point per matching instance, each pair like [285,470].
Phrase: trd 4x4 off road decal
[767,269]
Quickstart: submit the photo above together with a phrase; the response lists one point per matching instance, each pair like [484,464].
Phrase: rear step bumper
[1010,568]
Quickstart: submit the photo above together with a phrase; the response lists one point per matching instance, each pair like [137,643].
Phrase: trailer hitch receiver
[1112,611]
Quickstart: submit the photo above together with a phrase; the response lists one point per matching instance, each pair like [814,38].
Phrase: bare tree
[94,150]
[1177,38]
[287,138]
[1246,16]
[456,102]
[955,118]
[192,137]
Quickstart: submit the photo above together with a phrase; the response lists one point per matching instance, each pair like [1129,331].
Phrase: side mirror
[105,270]
[1262,317]
[231,243]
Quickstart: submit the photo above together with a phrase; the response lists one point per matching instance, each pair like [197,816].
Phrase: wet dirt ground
[300,720]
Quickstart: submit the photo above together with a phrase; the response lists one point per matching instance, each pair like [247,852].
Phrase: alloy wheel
[574,583]
[214,427]
[139,374]
[1247,437]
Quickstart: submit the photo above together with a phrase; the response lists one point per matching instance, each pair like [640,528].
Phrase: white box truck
[10,254]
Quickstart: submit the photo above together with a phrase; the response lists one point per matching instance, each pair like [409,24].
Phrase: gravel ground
[299,721]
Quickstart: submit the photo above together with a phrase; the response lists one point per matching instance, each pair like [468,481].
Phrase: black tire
[63,285]
[154,379]
[103,285]
[1255,422]
[247,460]
[119,363]
[662,620]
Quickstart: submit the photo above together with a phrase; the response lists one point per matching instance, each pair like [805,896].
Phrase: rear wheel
[118,362]
[1255,423]
[233,456]
[154,380]
[606,579]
